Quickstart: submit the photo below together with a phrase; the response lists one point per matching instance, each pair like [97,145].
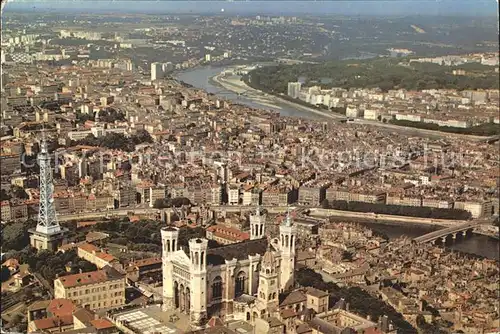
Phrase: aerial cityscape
[250,167]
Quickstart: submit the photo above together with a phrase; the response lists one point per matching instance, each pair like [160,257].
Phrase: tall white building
[294,89]
[156,71]
[236,281]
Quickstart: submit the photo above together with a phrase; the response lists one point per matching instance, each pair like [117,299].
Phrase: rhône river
[476,244]
[201,78]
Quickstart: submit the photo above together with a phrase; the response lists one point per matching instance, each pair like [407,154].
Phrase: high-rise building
[294,89]
[156,71]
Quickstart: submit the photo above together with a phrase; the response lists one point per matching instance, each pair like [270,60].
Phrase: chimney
[347,307]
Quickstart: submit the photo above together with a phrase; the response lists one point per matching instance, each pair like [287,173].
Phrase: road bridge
[452,231]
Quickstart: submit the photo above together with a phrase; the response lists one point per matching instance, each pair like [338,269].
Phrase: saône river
[475,244]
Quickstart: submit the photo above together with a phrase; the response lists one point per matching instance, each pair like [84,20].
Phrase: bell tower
[268,292]
[257,224]
[287,250]
[169,240]
[198,299]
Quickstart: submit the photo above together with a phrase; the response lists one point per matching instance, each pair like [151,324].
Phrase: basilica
[236,281]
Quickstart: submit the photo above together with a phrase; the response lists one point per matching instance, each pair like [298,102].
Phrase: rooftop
[92,277]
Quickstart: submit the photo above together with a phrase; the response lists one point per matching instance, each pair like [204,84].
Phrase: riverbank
[233,87]
[240,87]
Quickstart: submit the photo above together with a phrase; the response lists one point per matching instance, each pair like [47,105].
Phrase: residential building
[94,255]
[94,290]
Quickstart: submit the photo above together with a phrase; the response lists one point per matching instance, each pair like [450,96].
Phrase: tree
[347,256]
[325,204]
[142,136]
[19,192]
[110,115]
[421,321]
[4,274]
[161,203]
[82,118]
[28,293]
[187,233]
[14,236]
[4,196]
[180,201]
[213,244]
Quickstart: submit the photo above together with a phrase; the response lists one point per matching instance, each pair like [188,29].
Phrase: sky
[271,7]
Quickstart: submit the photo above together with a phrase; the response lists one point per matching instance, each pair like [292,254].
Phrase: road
[313,212]
[122,212]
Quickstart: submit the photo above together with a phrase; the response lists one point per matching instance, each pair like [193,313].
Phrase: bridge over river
[452,231]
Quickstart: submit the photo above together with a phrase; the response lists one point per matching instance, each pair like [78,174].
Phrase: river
[476,244]
[200,78]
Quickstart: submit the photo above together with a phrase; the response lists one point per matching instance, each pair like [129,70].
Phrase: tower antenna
[48,234]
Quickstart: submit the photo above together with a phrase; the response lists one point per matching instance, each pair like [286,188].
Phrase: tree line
[384,73]
[398,210]
[52,265]
[162,203]
[485,129]
[145,235]
[116,141]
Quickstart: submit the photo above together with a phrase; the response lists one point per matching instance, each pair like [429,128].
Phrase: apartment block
[93,290]
[156,193]
[278,197]
[94,255]
[251,195]
[5,211]
[10,163]
[404,201]
[233,195]
[477,209]
[437,203]
[126,196]
[18,211]
[311,195]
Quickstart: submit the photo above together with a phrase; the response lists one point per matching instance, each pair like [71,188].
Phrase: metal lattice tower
[47,220]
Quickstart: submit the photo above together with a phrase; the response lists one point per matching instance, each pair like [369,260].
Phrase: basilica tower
[169,240]
[268,293]
[198,297]
[257,224]
[287,249]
